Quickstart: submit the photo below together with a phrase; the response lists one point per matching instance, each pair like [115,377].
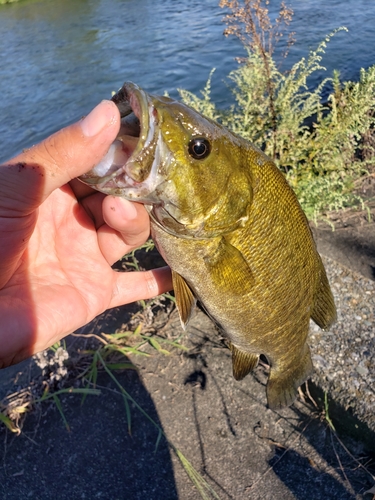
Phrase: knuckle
[151,283]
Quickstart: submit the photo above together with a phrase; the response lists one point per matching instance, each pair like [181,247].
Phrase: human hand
[59,239]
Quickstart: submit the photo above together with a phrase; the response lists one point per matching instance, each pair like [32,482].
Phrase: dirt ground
[350,241]
[223,427]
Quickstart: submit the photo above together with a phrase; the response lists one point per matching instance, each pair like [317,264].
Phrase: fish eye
[199,148]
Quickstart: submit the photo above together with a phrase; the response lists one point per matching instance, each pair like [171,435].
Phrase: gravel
[344,356]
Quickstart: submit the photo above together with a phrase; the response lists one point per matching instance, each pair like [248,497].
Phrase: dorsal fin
[185,299]
[242,362]
[324,310]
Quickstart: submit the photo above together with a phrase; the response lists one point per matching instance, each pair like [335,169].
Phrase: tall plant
[250,22]
[322,148]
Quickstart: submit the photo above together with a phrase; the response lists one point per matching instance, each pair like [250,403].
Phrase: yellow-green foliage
[322,148]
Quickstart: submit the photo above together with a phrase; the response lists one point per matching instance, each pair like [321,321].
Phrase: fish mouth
[130,167]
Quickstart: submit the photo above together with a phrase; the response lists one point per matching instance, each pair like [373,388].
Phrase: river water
[60,57]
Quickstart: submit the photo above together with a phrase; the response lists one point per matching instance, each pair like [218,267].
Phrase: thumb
[27,179]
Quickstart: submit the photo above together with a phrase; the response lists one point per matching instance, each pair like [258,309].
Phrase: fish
[231,229]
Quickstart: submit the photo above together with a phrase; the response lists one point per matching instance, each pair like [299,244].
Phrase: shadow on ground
[97,458]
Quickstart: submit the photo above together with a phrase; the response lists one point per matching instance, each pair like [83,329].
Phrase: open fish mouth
[130,167]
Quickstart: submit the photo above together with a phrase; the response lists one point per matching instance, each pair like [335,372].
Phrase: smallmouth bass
[231,229]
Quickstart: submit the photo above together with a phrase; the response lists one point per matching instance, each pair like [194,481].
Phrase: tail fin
[283,383]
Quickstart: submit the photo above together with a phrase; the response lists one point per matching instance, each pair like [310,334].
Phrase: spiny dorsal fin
[242,362]
[185,299]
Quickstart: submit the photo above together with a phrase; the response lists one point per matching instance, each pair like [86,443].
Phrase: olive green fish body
[231,229]
[259,283]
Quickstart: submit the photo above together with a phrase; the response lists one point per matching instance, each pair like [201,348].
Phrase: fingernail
[100,117]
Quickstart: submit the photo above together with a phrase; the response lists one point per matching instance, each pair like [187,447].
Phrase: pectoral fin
[242,362]
[229,268]
[185,299]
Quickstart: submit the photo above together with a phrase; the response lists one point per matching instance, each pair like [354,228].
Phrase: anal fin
[185,299]
[242,362]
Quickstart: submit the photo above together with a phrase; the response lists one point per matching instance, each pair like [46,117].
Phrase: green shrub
[324,149]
